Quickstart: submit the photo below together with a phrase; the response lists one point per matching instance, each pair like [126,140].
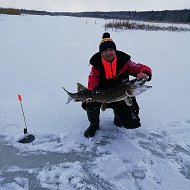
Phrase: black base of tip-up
[27,139]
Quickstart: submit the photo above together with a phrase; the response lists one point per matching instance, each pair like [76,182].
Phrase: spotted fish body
[118,93]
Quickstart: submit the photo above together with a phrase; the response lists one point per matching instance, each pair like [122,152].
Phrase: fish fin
[103,106]
[140,90]
[80,87]
[69,98]
[128,101]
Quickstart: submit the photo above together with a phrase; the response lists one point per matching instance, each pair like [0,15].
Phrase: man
[110,68]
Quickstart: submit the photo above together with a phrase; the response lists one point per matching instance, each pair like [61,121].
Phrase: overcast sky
[96,5]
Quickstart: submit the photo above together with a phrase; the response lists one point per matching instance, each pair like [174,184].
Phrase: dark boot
[116,121]
[91,131]
[93,117]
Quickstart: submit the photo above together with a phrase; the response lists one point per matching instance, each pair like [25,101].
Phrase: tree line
[9,11]
[171,16]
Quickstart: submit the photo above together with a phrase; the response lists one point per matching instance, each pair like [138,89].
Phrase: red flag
[19,97]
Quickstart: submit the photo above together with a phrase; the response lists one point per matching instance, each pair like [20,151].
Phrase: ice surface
[39,55]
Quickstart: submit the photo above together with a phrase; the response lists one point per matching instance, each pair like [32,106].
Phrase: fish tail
[69,94]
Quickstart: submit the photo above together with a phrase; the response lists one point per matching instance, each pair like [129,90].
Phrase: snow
[39,55]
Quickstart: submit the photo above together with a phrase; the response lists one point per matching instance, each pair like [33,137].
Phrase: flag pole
[28,137]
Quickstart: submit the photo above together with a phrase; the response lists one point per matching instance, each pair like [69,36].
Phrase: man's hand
[88,100]
[141,76]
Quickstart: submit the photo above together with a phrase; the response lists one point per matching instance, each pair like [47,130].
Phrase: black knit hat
[106,43]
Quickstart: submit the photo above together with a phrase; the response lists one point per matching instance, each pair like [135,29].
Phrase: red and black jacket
[99,79]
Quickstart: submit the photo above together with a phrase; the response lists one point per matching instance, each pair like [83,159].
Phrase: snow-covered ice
[39,55]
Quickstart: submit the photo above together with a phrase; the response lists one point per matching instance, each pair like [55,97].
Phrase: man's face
[108,55]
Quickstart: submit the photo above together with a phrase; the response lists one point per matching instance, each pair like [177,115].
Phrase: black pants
[127,115]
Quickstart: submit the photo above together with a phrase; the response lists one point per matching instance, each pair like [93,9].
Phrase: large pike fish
[124,91]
